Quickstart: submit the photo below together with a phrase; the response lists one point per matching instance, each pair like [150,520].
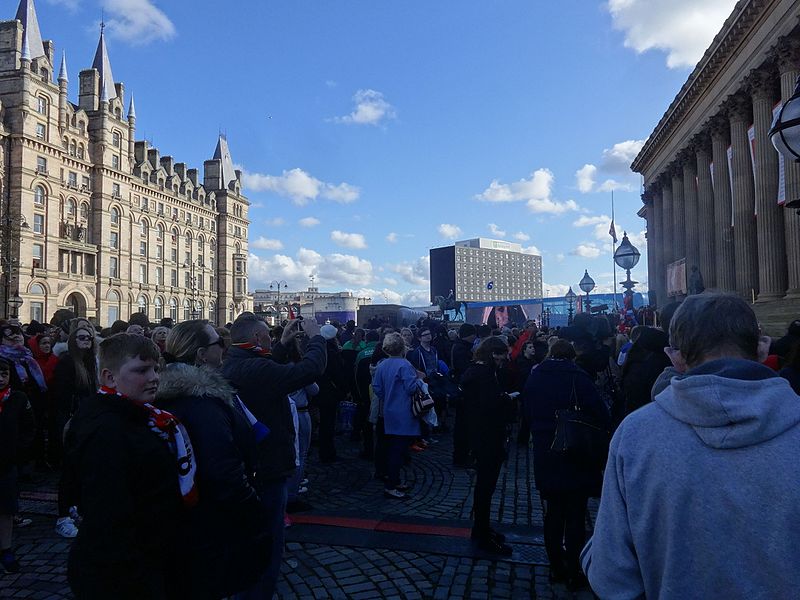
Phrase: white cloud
[551,207]
[538,187]
[416,273]
[600,224]
[387,296]
[300,187]
[681,28]
[71,5]
[332,271]
[390,281]
[560,257]
[276,222]
[449,231]
[619,157]
[555,290]
[585,178]
[263,243]
[392,238]
[639,240]
[531,250]
[137,21]
[522,237]
[585,220]
[586,250]
[496,231]
[309,222]
[349,240]
[370,109]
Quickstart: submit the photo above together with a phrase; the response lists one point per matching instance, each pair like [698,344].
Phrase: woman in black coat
[490,412]
[226,540]
[564,485]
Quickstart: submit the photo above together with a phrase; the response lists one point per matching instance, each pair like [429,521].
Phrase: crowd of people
[182,447]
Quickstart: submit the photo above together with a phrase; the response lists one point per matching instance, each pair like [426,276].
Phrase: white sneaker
[302,490]
[65,527]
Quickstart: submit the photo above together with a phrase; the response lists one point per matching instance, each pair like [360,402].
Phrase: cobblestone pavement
[355,543]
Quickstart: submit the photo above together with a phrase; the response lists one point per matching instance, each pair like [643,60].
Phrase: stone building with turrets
[99,223]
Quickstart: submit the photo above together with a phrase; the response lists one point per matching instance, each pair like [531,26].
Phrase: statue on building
[696,282]
[81,233]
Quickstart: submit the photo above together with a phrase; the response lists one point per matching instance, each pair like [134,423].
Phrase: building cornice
[735,31]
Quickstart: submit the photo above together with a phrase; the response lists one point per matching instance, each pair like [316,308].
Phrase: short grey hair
[714,324]
[394,344]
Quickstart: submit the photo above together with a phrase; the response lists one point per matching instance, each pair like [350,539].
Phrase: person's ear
[107,379]
[764,342]
[676,358]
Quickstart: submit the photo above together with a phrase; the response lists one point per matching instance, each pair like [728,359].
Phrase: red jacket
[47,362]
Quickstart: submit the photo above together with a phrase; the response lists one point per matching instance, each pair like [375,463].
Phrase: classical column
[651,237]
[657,244]
[668,247]
[689,164]
[788,61]
[724,253]
[705,211]
[769,223]
[678,214]
[744,202]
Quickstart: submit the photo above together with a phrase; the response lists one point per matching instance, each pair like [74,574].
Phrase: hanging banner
[730,177]
[711,169]
[751,137]
[676,278]
[776,110]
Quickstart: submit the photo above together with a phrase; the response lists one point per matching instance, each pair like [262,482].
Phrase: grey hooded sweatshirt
[701,495]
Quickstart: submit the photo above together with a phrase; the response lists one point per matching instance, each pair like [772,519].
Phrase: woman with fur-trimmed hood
[226,539]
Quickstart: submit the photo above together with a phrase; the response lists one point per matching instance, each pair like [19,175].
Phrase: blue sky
[369,132]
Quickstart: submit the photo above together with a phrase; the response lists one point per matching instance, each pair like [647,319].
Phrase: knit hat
[328,331]
[466,330]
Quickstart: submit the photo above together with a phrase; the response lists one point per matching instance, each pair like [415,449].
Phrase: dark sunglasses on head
[217,342]
[83,337]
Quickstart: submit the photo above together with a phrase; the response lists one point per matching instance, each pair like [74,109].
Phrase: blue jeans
[273,497]
[304,441]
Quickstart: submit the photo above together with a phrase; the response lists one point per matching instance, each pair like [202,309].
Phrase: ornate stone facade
[95,221]
[714,185]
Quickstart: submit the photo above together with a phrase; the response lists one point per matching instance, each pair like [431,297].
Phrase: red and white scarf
[166,426]
[4,394]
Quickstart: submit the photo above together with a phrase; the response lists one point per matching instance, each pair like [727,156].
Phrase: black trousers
[564,530]
[460,433]
[328,403]
[488,471]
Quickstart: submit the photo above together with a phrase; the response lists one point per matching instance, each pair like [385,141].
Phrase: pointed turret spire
[131,109]
[223,154]
[26,14]
[26,48]
[103,66]
[62,73]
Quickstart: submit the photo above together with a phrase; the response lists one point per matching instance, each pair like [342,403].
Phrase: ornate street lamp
[587,285]
[277,285]
[570,298]
[626,257]
[14,303]
[785,134]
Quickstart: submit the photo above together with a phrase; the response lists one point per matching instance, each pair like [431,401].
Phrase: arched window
[41,105]
[160,232]
[72,208]
[143,227]
[84,211]
[39,196]
[174,235]
[113,306]
[73,148]
[80,146]
[115,216]
[187,310]
[37,290]
[158,305]
[173,309]
[212,312]
[142,304]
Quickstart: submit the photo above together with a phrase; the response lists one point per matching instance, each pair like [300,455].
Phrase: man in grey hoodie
[701,492]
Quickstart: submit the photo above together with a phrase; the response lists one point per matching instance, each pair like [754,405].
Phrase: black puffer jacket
[128,495]
[263,385]
[645,362]
[490,411]
[17,427]
[226,539]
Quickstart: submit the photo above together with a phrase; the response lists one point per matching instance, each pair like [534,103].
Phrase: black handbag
[421,402]
[579,437]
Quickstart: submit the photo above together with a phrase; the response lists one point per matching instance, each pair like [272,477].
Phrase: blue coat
[393,383]
[549,388]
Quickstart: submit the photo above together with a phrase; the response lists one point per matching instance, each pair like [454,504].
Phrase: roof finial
[62,73]
[103,66]
[131,109]
[26,14]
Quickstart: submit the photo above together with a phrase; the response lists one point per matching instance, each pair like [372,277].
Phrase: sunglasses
[218,342]
[83,338]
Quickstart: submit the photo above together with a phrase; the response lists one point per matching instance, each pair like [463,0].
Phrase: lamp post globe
[627,257]
[570,297]
[785,134]
[14,303]
[587,285]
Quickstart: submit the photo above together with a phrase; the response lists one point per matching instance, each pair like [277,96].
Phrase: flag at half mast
[612,232]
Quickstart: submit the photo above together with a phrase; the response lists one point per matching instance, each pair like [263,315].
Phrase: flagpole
[613,250]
